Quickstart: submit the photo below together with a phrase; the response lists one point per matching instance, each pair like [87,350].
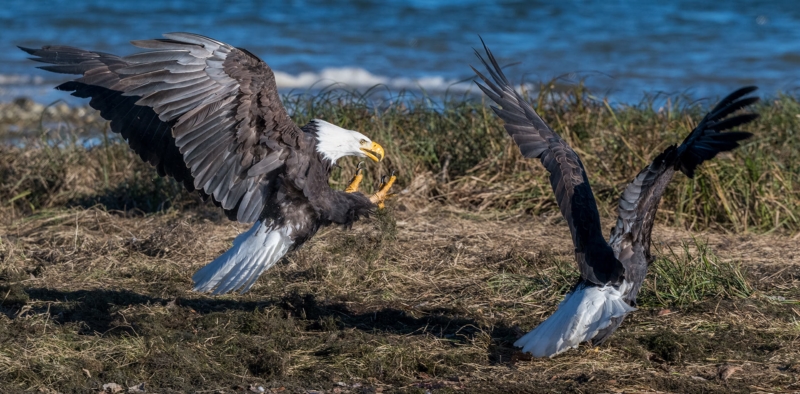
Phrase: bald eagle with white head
[611,272]
[209,115]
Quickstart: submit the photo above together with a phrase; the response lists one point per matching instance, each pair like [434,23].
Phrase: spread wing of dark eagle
[630,238]
[567,175]
[199,110]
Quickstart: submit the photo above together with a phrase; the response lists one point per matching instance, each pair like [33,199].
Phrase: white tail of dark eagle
[253,252]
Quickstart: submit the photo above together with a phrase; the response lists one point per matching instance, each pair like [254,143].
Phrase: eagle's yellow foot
[383,191]
[356,181]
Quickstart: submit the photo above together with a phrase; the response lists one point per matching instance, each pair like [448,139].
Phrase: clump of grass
[13,296]
[665,345]
[678,277]
[552,277]
[459,153]
[690,274]
[42,175]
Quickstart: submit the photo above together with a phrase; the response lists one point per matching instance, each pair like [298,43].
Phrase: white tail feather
[253,252]
[581,315]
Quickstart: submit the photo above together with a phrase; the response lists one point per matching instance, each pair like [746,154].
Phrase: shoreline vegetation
[96,254]
[457,151]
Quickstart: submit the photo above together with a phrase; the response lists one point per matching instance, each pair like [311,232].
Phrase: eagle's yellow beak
[373,151]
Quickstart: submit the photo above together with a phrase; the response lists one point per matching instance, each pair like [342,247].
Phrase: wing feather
[630,238]
[568,179]
[148,86]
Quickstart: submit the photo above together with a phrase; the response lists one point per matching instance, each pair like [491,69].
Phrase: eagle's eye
[362,142]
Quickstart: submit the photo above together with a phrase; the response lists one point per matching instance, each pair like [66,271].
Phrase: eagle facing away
[209,115]
[611,272]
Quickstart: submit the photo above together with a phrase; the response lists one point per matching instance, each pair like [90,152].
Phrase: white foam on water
[354,78]
[359,78]
[20,79]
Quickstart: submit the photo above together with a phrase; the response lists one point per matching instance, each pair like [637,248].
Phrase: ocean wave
[359,78]
[20,79]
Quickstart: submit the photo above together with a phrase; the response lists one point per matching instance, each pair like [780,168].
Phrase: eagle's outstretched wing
[630,238]
[567,175]
[199,110]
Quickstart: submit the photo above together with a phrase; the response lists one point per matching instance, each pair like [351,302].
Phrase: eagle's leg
[356,181]
[383,191]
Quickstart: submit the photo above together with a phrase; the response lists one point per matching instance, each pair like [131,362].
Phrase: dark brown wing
[567,176]
[630,238]
[198,109]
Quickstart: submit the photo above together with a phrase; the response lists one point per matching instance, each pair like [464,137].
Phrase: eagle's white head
[334,142]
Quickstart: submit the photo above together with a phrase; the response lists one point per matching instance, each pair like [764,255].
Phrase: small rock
[112,388]
[664,312]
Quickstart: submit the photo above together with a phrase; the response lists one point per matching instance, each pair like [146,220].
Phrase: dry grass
[96,255]
[415,299]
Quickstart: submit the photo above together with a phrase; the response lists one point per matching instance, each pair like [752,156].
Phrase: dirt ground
[422,298]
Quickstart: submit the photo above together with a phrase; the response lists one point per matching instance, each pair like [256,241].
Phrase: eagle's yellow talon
[356,181]
[383,191]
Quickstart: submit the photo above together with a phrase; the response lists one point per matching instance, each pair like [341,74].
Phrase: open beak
[373,151]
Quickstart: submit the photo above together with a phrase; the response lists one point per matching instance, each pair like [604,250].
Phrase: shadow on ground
[99,312]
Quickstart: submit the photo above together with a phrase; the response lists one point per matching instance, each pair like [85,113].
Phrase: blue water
[621,49]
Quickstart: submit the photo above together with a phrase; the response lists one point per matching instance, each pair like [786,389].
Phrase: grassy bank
[96,254]
[457,153]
